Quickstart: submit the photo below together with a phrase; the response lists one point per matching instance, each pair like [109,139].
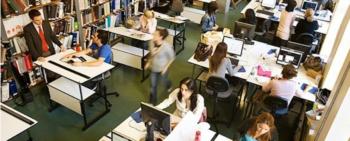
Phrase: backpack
[314,63]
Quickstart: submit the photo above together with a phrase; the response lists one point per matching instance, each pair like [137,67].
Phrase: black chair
[275,103]
[220,89]
[305,38]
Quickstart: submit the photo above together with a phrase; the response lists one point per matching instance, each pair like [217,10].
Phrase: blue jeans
[155,77]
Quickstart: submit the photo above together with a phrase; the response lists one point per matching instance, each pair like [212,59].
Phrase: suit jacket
[34,42]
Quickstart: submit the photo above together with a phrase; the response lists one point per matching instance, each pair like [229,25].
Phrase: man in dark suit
[39,37]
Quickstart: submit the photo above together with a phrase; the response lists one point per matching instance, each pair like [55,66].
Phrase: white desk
[194,15]
[13,123]
[323,20]
[178,30]
[254,55]
[131,53]
[131,33]
[68,90]
[127,129]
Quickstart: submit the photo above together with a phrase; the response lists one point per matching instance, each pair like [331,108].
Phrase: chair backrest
[306,49]
[275,102]
[305,38]
[217,84]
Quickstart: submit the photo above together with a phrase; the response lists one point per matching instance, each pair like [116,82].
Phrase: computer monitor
[306,49]
[268,3]
[234,46]
[289,56]
[244,30]
[309,4]
[159,119]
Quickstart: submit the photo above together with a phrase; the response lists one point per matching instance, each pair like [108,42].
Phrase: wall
[336,44]
[335,121]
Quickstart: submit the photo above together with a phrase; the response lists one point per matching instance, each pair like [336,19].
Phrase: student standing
[286,22]
[160,59]
[39,37]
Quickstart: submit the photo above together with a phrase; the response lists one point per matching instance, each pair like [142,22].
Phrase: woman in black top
[249,17]
[308,24]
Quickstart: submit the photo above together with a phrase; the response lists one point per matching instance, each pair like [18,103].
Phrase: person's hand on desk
[63,49]
[77,64]
[41,59]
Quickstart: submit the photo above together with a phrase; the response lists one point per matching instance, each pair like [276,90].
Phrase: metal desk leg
[193,70]
[29,136]
[52,105]
[82,107]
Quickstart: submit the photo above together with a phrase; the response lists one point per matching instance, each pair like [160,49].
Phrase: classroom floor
[65,125]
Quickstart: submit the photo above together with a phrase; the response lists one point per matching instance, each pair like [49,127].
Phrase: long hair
[218,56]
[265,118]
[191,85]
[250,16]
[213,6]
[309,15]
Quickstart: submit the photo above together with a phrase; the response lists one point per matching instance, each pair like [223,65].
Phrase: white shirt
[151,24]
[285,89]
[286,21]
[181,108]
[37,27]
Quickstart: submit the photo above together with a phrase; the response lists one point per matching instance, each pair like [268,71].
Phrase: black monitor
[244,30]
[306,49]
[289,56]
[158,118]
[234,46]
[270,4]
[309,4]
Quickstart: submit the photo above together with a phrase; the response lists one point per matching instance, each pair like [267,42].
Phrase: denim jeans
[155,77]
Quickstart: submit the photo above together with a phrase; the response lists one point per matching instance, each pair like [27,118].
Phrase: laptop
[289,56]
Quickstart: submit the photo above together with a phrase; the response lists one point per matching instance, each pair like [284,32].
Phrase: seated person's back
[284,87]
[249,17]
[218,63]
[307,25]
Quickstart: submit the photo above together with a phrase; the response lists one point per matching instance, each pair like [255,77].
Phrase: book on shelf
[69,6]
[53,12]
[64,26]
[66,41]
[115,5]
[87,17]
[20,44]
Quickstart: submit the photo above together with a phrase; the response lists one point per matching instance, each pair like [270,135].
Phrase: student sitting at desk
[218,63]
[249,17]
[99,49]
[260,128]
[284,87]
[286,22]
[307,25]
[148,22]
[208,22]
[186,99]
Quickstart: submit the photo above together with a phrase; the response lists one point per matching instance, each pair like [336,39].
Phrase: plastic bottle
[198,136]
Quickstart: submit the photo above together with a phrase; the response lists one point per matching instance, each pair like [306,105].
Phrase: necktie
[44,46]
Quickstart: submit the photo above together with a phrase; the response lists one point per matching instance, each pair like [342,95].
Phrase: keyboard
[265,12]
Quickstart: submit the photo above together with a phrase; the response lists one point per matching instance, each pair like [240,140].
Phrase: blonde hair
[309,15]
[149,14]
